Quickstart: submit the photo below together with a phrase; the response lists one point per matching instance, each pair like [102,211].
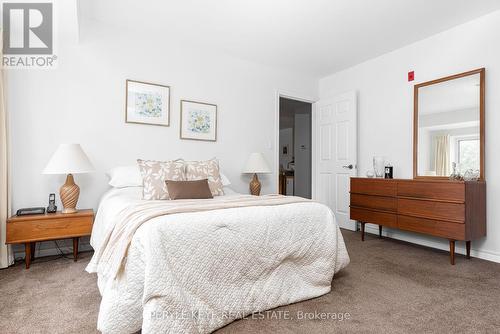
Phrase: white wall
[386,107]
[83,101]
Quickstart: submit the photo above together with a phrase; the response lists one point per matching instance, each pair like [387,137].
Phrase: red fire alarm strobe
[411,76]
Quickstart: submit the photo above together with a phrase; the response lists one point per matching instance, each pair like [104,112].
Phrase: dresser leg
[380,231]
[467,246]
[362,231]
[27,254]
[75,249]
[452,252]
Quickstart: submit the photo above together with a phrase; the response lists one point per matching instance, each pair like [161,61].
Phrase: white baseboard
[432,242]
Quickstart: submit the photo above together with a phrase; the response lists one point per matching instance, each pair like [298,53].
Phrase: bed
[198,270]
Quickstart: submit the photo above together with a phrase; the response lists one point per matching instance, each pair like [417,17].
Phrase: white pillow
[228,191]
[125,176]
[225,180]
[130,176]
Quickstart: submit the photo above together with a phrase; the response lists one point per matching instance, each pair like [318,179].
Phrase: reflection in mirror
[449,126]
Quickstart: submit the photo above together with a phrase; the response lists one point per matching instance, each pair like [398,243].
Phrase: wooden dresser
[449,209]
[29,230]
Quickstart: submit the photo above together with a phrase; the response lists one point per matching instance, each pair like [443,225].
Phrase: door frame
[303,98]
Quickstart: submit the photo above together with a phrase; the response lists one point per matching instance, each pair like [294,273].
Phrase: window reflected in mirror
[449,126]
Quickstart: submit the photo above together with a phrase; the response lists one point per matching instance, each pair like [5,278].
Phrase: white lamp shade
[69,159]
[256,163]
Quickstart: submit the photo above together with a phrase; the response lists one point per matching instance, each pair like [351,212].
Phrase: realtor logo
[28,35]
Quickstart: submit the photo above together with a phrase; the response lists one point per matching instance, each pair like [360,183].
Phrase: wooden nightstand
[28,230]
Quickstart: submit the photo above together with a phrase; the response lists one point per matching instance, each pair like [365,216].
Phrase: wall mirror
[449,125]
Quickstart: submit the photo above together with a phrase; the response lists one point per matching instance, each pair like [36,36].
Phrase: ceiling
[317,37]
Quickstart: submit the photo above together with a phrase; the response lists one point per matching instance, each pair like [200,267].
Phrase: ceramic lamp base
[255,186]
[69,194]
[69,210]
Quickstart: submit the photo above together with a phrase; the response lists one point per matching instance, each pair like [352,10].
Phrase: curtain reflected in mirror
[449,126]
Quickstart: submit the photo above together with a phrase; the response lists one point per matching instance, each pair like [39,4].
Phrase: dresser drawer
[381,187]
[433,227]
[453,191]
[374,202]
[432,209]
[374,217]
[38,230]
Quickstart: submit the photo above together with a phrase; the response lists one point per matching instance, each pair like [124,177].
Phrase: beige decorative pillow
[155,173]
[199,170]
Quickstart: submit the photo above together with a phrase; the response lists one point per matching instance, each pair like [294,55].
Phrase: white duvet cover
[196,272]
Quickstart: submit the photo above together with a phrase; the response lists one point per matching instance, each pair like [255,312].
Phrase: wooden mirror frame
[481,72]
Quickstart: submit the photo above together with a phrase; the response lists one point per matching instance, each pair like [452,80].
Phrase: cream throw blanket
[109,257]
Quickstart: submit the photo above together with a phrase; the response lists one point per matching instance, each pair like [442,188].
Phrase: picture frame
[147,103]
[198,121]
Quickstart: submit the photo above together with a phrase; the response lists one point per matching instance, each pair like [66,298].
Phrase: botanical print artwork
[198,121]
[147,103]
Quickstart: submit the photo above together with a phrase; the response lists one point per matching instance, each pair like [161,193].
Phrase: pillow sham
[225,181]
[155,173]
[125,176]
[209,169]
[197,189]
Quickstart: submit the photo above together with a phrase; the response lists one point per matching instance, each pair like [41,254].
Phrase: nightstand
[30,229]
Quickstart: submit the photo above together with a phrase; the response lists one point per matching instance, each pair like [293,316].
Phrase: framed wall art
[147,103]
[198,121]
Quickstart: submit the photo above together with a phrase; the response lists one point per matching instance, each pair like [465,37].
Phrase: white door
[336,155]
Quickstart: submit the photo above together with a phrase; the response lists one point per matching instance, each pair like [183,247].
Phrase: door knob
[348,166]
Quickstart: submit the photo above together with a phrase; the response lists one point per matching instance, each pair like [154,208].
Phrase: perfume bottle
[453,171]
[455,175]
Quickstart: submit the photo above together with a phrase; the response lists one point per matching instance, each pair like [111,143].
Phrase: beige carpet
[389,287]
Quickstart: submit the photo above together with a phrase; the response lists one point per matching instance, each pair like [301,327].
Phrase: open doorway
[295,147]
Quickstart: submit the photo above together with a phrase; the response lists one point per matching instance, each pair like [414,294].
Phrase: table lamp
[256,164]
[69,159]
